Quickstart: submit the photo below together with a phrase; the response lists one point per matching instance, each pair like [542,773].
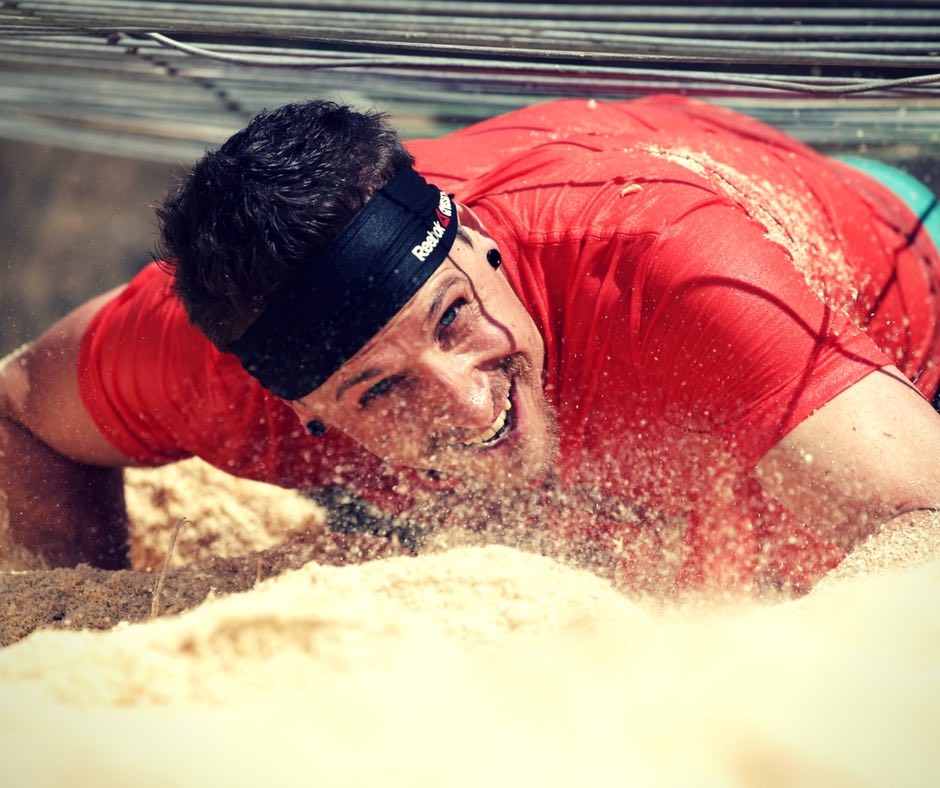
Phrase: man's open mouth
[500,427]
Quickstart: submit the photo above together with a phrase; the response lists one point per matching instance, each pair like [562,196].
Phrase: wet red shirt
[703,283]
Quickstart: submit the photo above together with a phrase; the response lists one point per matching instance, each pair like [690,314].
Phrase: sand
[466,667]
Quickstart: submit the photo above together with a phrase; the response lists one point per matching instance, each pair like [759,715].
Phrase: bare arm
[60,479]
[866,463]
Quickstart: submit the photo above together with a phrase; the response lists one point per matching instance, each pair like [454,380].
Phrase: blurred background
[103,104]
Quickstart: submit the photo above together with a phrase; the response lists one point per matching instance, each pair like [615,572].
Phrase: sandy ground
[468,667]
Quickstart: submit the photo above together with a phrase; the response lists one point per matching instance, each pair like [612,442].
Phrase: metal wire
[418,62]
[178,76]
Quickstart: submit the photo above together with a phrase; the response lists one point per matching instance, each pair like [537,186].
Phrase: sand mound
[226,516]
[234,533]
[486,666]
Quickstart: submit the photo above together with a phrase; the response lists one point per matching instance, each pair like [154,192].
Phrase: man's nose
[462,394]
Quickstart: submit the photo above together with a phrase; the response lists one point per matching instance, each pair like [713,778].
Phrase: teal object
[921,200]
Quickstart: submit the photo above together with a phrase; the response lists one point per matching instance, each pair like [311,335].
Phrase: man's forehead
[423,304]
[399,333]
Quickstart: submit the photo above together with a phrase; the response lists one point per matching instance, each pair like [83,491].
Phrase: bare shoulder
[39,389]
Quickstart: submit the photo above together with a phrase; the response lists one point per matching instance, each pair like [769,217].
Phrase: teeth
[494,428]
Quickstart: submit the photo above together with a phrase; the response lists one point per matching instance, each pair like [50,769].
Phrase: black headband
[359,282]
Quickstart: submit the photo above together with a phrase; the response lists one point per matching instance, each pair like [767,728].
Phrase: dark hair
[249,217]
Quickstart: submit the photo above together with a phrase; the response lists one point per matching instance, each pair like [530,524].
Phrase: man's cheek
[385,417]
[392,440]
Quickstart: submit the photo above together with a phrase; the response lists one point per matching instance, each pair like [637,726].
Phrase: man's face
[453,382]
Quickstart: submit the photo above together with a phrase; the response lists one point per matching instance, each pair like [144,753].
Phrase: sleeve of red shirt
[160,391]
[733,339]
[125,355]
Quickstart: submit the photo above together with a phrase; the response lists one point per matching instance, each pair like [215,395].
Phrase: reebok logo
[444,211]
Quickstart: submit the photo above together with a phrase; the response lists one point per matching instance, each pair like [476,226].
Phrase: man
[656,303]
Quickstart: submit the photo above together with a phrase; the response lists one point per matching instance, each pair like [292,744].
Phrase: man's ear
[469,219]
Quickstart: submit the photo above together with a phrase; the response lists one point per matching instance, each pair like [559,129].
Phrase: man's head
[309,247]
[251,216]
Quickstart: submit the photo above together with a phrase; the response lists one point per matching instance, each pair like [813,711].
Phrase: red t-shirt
[703,283]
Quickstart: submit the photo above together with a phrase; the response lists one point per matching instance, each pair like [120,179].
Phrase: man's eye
[450,315]
[380,388]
